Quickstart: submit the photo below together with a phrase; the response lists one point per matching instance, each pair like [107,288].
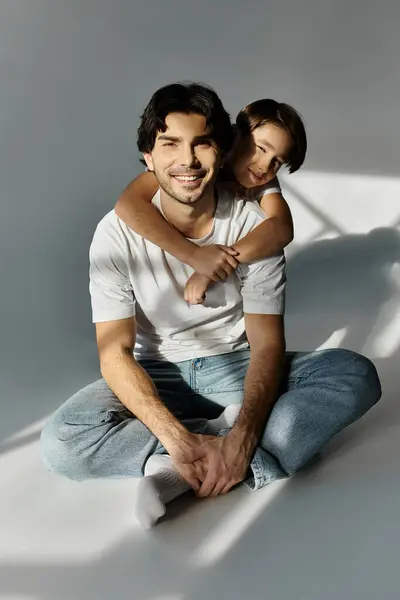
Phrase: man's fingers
[201,470]
[192,480]
[195,484]
[227,488]
[222,487]
[194,455]
[218,489]
[194,472]
[188,471]
[209,490]
[208,485]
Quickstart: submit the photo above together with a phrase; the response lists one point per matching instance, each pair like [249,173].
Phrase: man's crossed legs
[93,435]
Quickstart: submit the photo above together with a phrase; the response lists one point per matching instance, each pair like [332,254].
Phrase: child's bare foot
[196,288]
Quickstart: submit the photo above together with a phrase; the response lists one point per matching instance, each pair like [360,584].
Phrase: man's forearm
[135,389]
[260,392]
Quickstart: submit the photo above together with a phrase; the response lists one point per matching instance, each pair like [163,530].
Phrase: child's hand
[195,288]
[214,261]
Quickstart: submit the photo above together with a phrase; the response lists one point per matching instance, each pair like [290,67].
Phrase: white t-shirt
[130,276]
[255,194]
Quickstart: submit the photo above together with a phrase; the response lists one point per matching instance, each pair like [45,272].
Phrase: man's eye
[204,143]
[168,144]
[261,148]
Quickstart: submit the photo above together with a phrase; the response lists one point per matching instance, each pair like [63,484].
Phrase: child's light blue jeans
[94,435]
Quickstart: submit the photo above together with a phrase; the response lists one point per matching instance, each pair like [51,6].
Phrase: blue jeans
[94,435]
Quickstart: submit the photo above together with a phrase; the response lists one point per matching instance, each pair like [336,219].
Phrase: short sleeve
[110,287]
[272,187]
[263,286]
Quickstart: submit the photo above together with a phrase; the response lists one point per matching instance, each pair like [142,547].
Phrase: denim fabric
[94,435]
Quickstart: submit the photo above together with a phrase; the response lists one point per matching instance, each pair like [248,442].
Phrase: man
[148,414]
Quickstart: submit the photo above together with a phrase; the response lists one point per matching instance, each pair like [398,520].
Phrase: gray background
[74,77]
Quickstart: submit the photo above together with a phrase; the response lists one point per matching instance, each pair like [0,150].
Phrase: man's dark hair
[285,116]
[185,98]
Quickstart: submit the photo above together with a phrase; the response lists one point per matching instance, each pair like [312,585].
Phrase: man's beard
[186,200]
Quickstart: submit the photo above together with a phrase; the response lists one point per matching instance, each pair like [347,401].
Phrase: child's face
[259,156]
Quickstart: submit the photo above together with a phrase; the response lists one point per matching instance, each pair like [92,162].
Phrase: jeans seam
[258,475]
[192,376]
[218,390]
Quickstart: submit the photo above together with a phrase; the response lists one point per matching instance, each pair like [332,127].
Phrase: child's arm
[271,236]
[268,238]
[135,208]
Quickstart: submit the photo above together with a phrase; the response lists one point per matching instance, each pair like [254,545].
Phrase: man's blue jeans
[94,435]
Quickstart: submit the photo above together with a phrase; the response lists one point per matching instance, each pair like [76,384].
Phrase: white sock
[162,483]
[227,419]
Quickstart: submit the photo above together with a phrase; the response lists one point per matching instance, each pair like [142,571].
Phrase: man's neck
[192,221]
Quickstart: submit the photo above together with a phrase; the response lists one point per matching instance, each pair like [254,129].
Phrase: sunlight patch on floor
[40,509]
[235,524]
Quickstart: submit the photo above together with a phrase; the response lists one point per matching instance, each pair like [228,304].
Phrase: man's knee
[346,385]
[57,453]
[75,428]
[359,378]
[65,442]
[52,451]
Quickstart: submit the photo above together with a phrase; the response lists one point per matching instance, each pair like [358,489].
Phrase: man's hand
[215,261]
[224,460]
[181,453]
[195,288]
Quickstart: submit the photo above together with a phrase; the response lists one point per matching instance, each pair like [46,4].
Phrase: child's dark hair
[266,111]
[185,98]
